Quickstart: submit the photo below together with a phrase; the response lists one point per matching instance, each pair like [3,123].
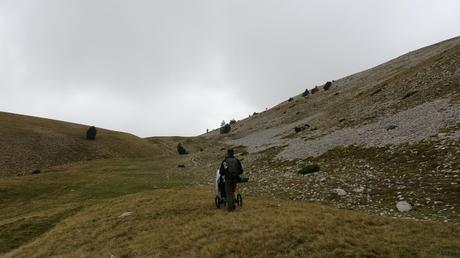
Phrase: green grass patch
[17,233]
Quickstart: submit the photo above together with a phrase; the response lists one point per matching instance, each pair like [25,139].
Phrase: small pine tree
[314,90]
[309,169]
[225,129]
[91,133]
[306,93]
[181,150]
[327,85]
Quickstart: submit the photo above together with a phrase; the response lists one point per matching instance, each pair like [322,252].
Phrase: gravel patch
[408,126]
[267,138]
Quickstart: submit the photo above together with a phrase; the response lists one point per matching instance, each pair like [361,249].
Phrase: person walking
[231,170]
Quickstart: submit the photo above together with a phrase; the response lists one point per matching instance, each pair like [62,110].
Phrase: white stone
[403,206]
[359,189]
[126,214]
[340,192]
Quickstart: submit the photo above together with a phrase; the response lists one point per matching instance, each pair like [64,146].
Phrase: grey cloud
[173,67]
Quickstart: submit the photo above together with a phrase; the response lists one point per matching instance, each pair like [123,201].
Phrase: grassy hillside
[77,213]
[31,143]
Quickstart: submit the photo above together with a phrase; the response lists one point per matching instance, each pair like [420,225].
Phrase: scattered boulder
[403,206]
[340,192]
[126,214]
[359,189]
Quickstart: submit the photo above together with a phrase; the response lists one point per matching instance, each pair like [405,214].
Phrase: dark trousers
[230,186]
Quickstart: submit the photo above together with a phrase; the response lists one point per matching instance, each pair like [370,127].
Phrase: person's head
[230,153]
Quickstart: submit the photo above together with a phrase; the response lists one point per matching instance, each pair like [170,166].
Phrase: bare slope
[31,143]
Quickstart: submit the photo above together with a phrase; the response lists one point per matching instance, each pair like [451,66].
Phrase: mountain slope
[384,135]
[32,143]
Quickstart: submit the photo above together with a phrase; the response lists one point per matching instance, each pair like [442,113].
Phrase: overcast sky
[178,67]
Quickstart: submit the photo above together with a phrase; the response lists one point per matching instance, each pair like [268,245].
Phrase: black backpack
[233,168]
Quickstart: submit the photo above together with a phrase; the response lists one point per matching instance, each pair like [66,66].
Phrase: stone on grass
[126,214]
[403,206]
[340,192]
[358,189]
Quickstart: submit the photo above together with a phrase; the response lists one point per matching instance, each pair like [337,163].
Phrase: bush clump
[327,85]
[410,93]
[233,121]
[298,129]
[225,128]
[290,99]
[181,150]
[314,90]
[308,169]
[306,93]
[91,133]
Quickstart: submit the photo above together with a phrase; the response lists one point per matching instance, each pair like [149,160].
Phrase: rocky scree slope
[381,136]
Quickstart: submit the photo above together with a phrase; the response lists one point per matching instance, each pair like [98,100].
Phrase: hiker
[231,169]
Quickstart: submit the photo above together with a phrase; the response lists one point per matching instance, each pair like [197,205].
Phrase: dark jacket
[223,170]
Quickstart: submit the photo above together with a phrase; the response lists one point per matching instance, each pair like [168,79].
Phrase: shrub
[290,99]
[391,127]
[181,150]
[312,168]
[297,129]
[91,133]
[225,129]
[314,90]
[306,93]
[254,114]
[327,85]
[410,93]
[233,121]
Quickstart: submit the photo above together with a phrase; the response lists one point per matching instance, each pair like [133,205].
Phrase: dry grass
[31,143]
[74,212]
[183,222]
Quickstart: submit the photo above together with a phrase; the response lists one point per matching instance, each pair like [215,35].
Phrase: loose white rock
[359,189]
[340,192]
[403,206]
[126,214]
